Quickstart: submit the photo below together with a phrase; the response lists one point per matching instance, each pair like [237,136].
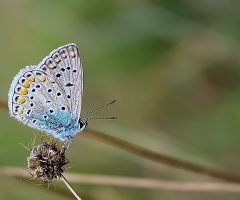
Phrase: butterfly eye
[81,124]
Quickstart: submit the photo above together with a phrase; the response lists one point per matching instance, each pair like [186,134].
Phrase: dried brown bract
[46,161]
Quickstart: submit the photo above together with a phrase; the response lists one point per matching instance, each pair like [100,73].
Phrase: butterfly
[48,96]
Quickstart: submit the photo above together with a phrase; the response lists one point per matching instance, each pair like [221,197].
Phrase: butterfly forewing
[64,64]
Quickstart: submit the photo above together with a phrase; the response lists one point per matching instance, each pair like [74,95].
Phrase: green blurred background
[173,67]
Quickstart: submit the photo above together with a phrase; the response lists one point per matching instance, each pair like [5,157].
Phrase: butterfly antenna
[99,109]
[87,118]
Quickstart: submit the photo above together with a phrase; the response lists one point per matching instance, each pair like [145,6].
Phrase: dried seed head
[46,162]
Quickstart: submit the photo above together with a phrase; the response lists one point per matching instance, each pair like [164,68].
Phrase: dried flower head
[46,162]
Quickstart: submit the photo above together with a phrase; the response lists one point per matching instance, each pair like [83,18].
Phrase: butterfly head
[82,124]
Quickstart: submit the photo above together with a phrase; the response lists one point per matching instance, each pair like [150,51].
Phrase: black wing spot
[51,111]
[38,86]
[58,75]
[16,98]
[68,68]
[74,70]
[68,96]
[63,108]
[59,94]
[69,85]
[62,69]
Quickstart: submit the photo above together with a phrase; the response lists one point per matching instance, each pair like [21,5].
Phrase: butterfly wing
[48,96]
[64,64]
[36,99]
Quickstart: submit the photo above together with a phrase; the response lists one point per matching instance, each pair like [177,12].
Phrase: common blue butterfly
[48,96]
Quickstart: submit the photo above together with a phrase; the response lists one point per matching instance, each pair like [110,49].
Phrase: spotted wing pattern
[48,96]
[65,65]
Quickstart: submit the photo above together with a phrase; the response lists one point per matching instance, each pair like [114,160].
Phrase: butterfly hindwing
[35,98]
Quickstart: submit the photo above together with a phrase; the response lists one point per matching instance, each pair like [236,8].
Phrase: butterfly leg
[56,141]
[47,134]
[67,143]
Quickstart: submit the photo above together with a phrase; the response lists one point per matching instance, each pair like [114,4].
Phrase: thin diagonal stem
[70,187]
[160,158]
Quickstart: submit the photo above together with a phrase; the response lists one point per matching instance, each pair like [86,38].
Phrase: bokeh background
[173,67]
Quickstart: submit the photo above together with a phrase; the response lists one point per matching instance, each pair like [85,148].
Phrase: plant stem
[70,187]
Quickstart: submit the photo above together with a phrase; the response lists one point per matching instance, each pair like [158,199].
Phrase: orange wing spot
[26,84]
[20,116]
[32,78]
[21,110]
[57,60]
[52,80]
[42,78]
[21,100]
[23,91]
